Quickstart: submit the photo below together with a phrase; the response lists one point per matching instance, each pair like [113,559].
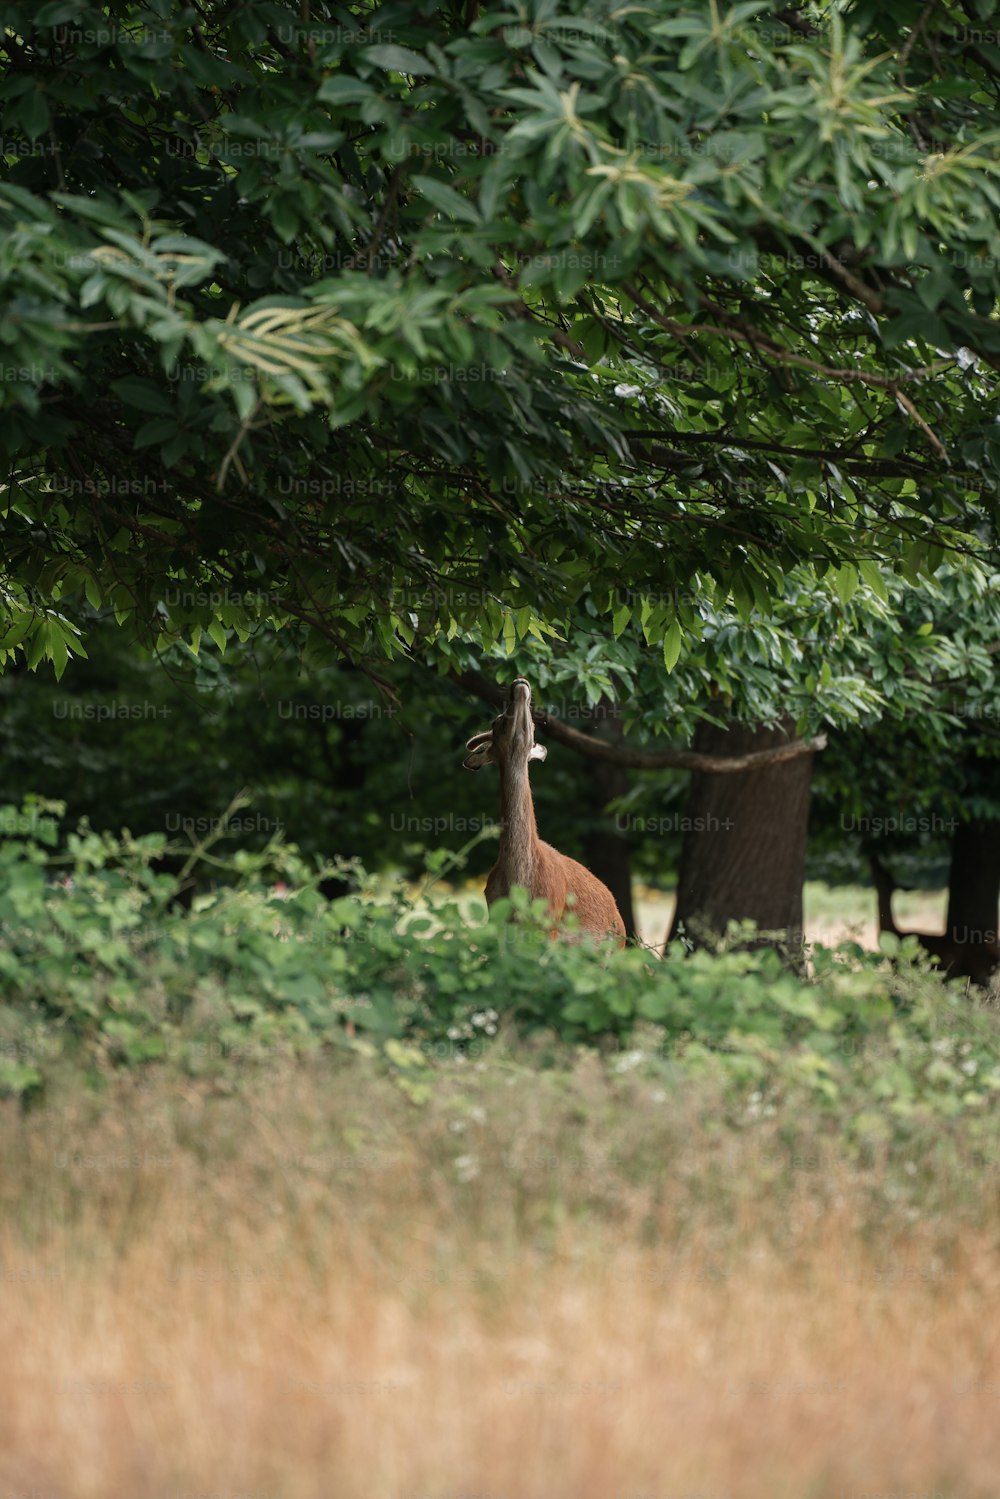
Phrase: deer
[973,960]
[523,858]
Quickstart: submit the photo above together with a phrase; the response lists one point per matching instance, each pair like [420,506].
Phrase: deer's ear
[480,752]
[537,752]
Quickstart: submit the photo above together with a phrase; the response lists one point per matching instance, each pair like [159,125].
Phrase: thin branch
[623,754]
[760,343]
[392,192]
[864,294]
[909,407]
[320,625]
[908,45]
[232,454]
[663,457]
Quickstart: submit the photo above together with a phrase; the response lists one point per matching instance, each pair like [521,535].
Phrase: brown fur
[524,859]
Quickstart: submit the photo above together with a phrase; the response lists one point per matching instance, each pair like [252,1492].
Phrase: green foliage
[904,682]
[892,650]
[898,673]
[402,322]
[98,965]
[327,759]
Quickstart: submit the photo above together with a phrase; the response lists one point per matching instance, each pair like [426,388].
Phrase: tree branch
[764,345]
[662,457]
[908,406]
[623,754]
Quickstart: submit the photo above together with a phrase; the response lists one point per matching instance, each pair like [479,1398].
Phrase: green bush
[100,965]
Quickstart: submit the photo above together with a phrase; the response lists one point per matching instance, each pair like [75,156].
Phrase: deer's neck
[519,837]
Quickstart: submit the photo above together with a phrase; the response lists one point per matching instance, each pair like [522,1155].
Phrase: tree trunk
[974,882]
[744,846]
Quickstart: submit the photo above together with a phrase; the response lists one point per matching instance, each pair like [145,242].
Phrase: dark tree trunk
[606,851]
[968,946]
[744,846]
[346,765]
[974,882]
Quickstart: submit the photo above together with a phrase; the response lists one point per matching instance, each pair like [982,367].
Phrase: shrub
[100,965]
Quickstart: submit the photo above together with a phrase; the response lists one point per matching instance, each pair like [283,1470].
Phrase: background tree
[897,674]
[902,685]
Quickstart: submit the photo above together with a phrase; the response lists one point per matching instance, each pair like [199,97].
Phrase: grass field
[545,1281]
[832,913]
[565,1271]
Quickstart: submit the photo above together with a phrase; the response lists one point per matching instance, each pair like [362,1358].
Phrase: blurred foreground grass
[304,1198]
[571,1279]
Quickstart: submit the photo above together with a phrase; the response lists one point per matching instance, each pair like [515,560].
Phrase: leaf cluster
[481,311]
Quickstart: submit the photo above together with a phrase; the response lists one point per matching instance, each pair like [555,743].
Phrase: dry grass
[846,913]
[539,1285]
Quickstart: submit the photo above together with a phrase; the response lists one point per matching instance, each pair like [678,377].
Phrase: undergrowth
[103,969]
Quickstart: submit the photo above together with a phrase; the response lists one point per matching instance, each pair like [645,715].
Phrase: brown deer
[524,859]
[975,960]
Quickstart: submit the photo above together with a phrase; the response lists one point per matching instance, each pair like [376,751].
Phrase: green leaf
[57,649]
[871,574]
[158,430]
[142,394]
[344,90]
[34,113]
[398,59]
[845,582]
[446,198]
[672,645]
[216,632]
[35,646]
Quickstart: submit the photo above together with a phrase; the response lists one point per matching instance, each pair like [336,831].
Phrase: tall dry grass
[538,1284]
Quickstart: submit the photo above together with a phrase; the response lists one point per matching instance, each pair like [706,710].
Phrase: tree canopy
[406,319]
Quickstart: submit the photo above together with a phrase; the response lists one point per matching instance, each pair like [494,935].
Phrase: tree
[898,675]
[419,320]
[744,852]
[903,686]
[974,879]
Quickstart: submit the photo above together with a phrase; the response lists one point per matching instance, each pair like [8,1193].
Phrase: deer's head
[511,739]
